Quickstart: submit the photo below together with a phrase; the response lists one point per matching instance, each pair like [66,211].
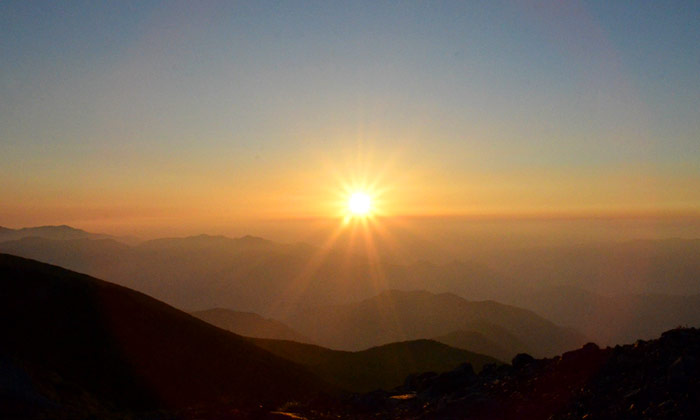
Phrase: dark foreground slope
[73,345]
[383,367]
[658,379]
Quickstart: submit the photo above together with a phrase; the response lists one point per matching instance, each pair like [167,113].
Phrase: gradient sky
[124,114]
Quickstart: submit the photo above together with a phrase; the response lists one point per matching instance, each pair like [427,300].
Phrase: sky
[121,116]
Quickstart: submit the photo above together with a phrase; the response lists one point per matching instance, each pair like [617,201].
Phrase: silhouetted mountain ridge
[92,346]
[408,315]
[274,279]
[48,232]
[378,367]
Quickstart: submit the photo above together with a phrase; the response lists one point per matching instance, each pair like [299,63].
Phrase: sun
[359,204]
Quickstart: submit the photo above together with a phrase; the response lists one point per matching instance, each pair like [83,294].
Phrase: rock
[590,347]
[418,382]
[678,372]
[465,369]
[521,360]
[371,401]
[449,382]
[489,370]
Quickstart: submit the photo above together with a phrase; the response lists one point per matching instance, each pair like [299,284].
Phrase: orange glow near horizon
[400,191]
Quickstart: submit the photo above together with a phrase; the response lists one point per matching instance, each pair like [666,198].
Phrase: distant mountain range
[60,232]
[76,346]
[383,367]
[494,340]
[48,232]
[399,316]
[612,292]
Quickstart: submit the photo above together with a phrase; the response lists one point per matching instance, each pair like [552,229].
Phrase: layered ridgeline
[249,324]
[369,323]
[49,232]
[378,367]
[269,278]
[398,316]
[284,341]
[383,367]
[74,345]
[78,346]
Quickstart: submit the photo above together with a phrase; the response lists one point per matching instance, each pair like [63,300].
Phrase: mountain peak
[49,232]
[53,227]
[250,239]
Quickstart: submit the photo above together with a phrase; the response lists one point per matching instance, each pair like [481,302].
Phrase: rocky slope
[658,379]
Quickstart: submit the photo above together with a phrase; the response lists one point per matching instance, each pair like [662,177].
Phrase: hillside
[399,316]
[81,345]
[384,367]
[274,279]
[658,379]
[502,347]
[249,324]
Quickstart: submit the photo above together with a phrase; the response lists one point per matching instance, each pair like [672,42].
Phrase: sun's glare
[359,204]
